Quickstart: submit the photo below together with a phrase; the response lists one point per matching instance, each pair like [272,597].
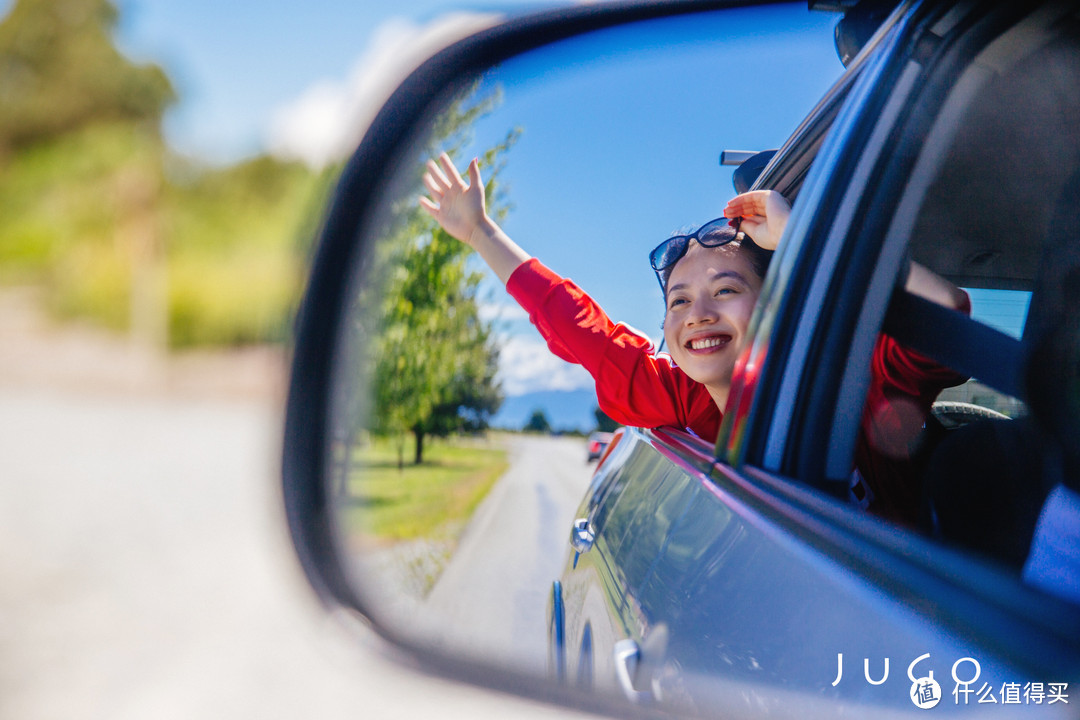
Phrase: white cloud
[326,121]
[501,312]
[526,365]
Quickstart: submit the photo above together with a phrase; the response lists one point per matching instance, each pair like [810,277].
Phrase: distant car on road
[597,444]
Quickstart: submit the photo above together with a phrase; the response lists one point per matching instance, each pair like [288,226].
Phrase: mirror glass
[453,520]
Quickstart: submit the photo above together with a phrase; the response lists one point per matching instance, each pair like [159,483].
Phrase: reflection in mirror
[454,521]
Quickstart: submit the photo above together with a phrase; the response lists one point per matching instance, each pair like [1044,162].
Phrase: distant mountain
[565,410]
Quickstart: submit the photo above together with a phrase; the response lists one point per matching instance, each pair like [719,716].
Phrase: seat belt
[955,340]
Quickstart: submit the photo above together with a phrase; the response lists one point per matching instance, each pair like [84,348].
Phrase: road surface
[145,569]
[491,600]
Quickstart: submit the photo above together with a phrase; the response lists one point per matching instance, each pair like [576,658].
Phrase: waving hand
[459,208]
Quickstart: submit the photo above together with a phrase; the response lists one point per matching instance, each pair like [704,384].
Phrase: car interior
[1000,217]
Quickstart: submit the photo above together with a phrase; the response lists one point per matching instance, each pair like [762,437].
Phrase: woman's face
[711,294]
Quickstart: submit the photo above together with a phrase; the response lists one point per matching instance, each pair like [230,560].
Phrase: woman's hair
[757,256]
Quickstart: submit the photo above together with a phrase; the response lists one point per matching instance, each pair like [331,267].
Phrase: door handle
[638,669]
[627,662]
[581,537]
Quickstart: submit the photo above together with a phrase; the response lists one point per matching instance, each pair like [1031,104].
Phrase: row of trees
[538,422]
[114,227]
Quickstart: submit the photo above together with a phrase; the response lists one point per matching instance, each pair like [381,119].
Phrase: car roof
[1005,169]
[998,167]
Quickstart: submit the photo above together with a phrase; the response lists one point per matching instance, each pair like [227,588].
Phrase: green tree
[59,72]
[537,423]
[603,422]
[434,357]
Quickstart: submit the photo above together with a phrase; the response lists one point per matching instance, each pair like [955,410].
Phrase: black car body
[740,580]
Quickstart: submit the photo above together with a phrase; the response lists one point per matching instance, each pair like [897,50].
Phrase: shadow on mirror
[458,446]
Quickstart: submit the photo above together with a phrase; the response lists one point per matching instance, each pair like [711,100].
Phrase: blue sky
[236,63]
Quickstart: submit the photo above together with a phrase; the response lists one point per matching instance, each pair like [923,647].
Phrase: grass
[433,500]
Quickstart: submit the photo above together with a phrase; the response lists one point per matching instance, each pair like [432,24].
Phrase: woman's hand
[458,207]
[764,215]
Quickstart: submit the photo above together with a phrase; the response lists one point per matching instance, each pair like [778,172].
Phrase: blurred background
[163,166]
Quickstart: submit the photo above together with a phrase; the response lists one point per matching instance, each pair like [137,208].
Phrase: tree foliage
[603,422]
[59,72]
[434,357]
[538,422]
[113,227]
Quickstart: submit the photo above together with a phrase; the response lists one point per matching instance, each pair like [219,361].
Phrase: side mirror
[602,124]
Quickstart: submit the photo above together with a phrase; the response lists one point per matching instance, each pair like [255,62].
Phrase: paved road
[145,572]
[492,598]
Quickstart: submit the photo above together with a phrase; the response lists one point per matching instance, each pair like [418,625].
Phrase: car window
[1006,139]
[929,424]
[1004,310]
[762,412]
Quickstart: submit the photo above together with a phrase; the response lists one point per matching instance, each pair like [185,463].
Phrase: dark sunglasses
[714,233]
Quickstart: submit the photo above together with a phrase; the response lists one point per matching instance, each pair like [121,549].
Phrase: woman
[711,280]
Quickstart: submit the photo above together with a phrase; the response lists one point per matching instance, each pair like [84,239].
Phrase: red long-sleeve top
[639,387]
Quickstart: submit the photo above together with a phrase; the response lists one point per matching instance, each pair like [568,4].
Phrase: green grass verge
[433,500]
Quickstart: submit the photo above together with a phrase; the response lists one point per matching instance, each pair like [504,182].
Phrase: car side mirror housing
[565,59]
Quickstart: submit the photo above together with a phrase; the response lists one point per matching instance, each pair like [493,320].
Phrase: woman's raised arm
[459,208]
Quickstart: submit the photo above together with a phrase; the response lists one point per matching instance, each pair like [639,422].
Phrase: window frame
[760,418]
[819,361]
[826,297]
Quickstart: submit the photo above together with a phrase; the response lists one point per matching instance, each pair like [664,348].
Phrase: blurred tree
[538,422]
[603,422]
[238,239]
[97,212]
[434,357]
[59,71]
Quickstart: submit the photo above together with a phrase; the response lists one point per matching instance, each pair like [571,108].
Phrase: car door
[620,538]
[772,593]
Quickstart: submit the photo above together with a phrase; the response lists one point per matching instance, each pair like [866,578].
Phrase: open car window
[976,170]
[992,204]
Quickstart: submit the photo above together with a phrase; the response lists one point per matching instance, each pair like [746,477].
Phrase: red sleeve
[897,371]
[634,385]
[903,386]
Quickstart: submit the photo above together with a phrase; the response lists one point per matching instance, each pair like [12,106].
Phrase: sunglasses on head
[714,233]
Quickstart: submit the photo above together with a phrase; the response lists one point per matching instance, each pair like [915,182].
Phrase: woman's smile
[708,344]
